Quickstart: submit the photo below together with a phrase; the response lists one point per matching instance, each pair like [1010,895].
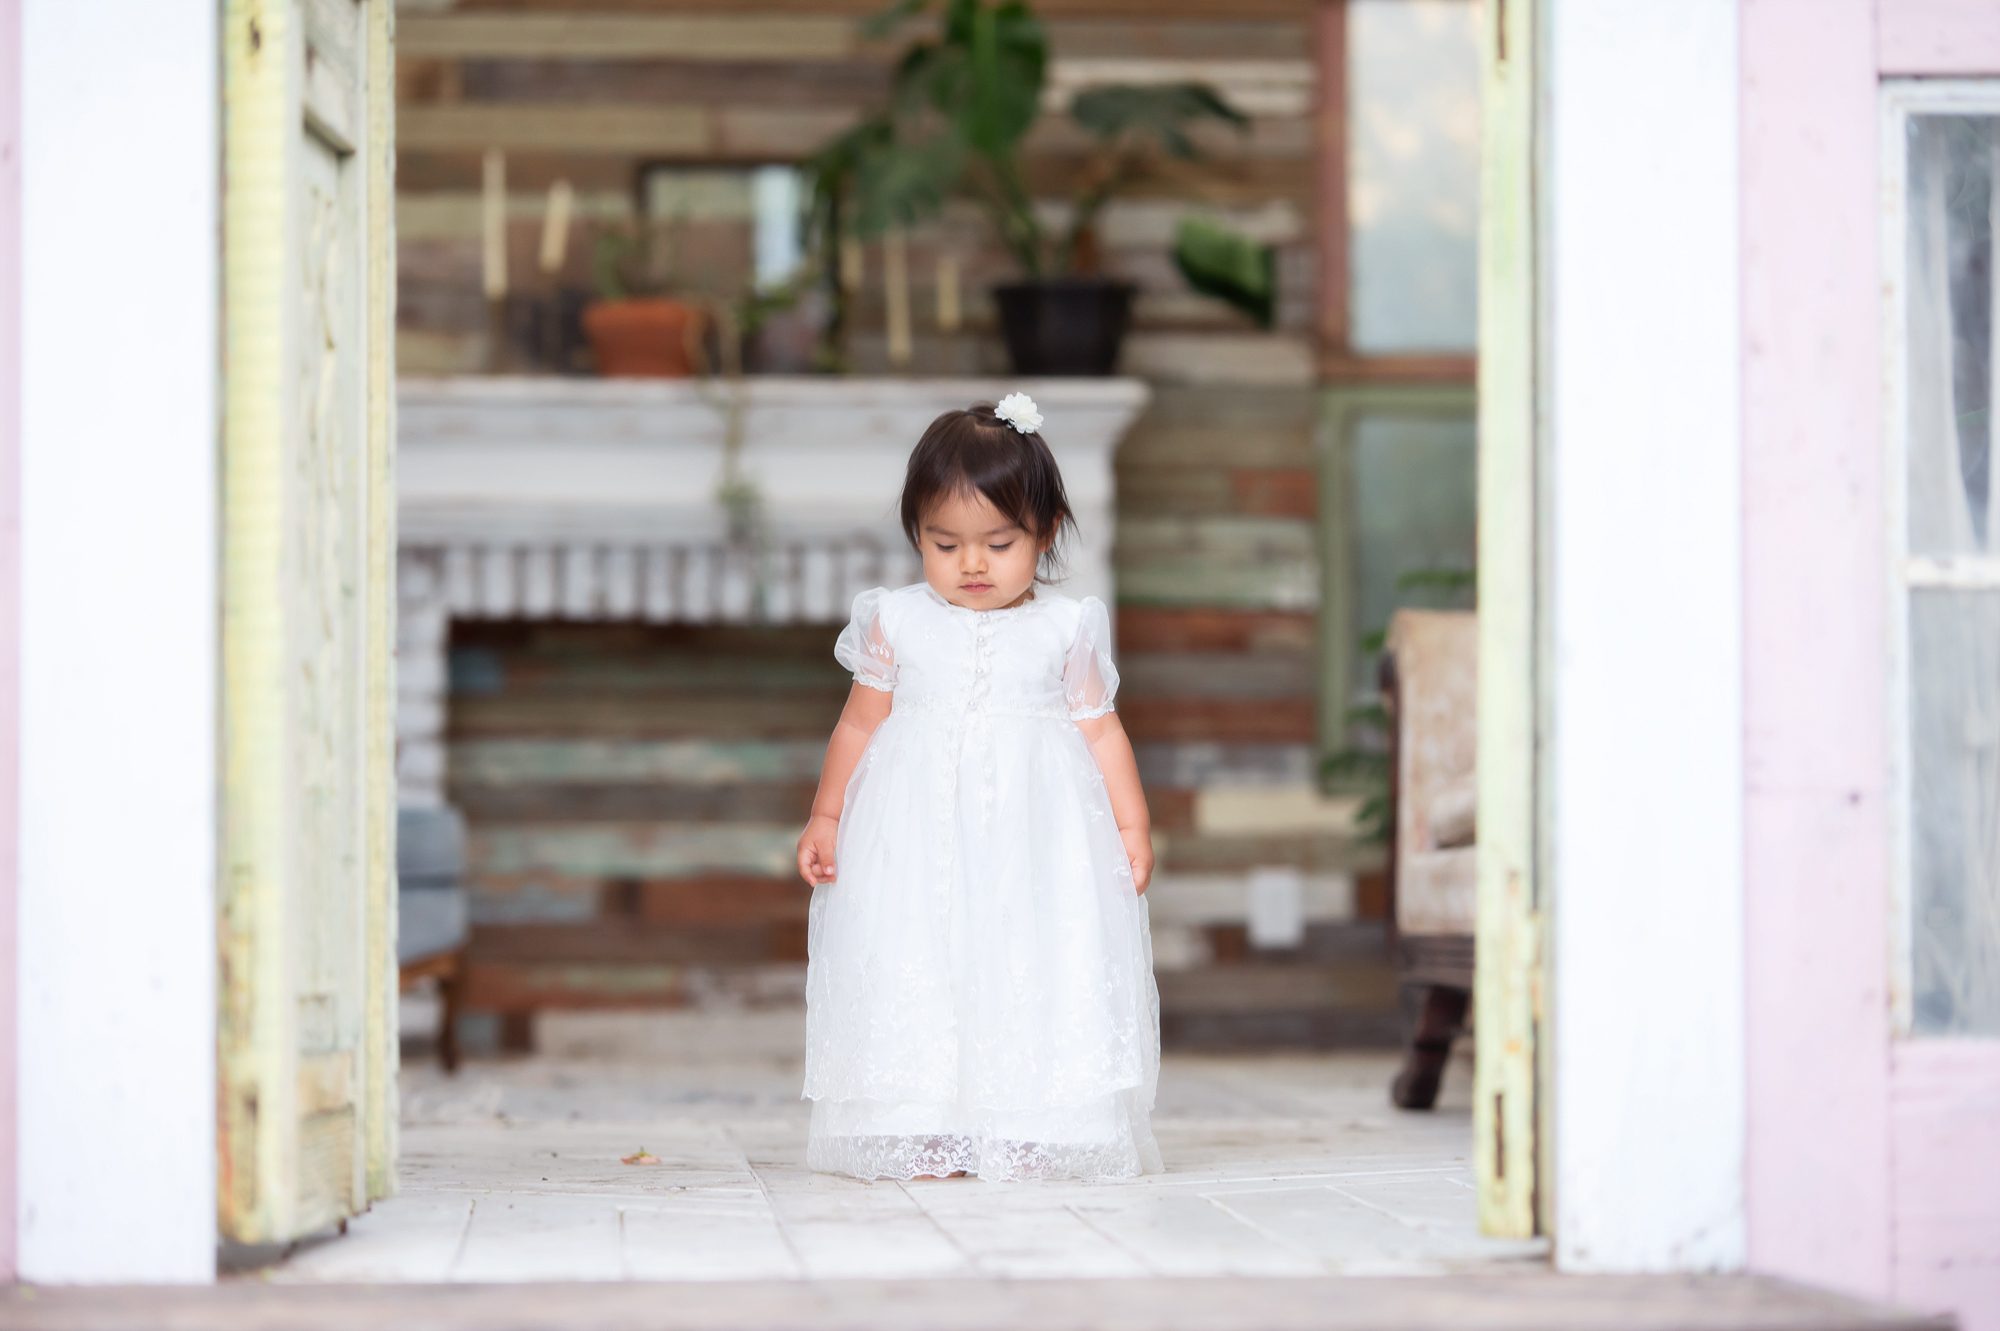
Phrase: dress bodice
[1047,657]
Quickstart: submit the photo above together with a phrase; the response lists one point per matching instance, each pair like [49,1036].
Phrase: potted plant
[959,109]
[1361,767]
[637,327]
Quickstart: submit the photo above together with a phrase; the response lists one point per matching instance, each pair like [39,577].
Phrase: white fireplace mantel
[597,499]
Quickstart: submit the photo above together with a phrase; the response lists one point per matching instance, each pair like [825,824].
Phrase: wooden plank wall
[1217,547]
[634,793]
[586,90]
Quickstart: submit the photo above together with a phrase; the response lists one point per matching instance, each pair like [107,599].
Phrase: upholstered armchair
[1430,683]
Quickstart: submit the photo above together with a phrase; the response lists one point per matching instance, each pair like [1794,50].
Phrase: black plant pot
[1064,325]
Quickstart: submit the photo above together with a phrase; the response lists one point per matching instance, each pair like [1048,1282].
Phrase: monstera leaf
[982,77]
[1228,265]
[1161,112]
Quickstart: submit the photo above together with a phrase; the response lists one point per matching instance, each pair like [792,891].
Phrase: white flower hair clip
[1018,410]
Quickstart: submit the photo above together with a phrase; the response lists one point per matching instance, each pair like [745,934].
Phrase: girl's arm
[1113,750]
[866,708]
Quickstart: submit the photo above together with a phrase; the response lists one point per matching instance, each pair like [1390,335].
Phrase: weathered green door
[307,1058]
[1506,1120]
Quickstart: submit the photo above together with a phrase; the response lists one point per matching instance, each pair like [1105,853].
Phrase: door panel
[307,1054]
[1506,1123]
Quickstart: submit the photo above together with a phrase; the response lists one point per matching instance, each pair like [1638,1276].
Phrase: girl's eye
[947,548]
[1001,546]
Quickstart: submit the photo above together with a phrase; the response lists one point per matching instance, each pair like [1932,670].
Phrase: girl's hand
[816,849]
[1139,849]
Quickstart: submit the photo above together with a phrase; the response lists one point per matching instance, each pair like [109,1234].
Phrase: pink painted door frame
[1871,1163]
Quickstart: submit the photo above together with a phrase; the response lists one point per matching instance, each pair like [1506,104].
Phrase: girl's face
[975,555]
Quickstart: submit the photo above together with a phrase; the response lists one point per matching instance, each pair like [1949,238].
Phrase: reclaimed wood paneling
[1329,40]
[1204,629]
[524,987]
[681,36]
[625,79]
[585,92]
[1225,720]
[1278,492]
[478,764]
[1243,37]
[627,942]
[690,130]
[1325,852]
[642,848]
[1262,675]
[1218,561]
[595,803]
[646,716]
[1273,360]
[623,130]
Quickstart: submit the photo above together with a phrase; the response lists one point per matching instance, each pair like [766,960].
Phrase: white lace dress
[979,990]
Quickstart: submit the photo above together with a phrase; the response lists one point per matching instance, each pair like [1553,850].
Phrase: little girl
[979,989]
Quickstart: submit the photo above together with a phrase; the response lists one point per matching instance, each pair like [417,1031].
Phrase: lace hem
[1111,1139]
[879,685]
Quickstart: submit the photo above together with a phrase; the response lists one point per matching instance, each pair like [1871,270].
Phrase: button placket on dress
[978,713]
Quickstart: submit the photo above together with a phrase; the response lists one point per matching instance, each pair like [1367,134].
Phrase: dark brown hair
[973,451]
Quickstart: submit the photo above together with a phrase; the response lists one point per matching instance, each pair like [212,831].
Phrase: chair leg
[1439,1018]
[451,987]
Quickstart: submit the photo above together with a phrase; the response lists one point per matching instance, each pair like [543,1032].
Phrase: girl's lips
[978,586]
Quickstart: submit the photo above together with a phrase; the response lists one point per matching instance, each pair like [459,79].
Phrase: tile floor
[1277,1165]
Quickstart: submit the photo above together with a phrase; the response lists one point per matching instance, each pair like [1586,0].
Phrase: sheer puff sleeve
[1089,678]
[863,646]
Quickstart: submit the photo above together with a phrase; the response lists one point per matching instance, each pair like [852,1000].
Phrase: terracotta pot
[649,337]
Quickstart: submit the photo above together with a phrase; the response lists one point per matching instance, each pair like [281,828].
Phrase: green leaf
[886,22]
[1159,110]
[1221,262]
[1438,579]
[1354,765]
[1368,714]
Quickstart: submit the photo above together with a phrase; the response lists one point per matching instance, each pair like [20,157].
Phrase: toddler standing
[979,992]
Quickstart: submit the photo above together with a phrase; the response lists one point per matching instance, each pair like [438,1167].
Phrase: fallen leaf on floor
[642,1158]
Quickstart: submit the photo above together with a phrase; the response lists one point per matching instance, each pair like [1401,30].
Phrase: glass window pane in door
[1950,221]
[1955,812]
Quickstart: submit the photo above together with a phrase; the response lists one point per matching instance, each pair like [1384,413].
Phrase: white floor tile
[1277,1165]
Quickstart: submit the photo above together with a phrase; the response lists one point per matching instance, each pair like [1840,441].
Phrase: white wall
[118,669]
[1642,591]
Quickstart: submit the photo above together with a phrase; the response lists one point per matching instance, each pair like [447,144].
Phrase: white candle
[555,227]
[896,293]
[494,217]
[947,292]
